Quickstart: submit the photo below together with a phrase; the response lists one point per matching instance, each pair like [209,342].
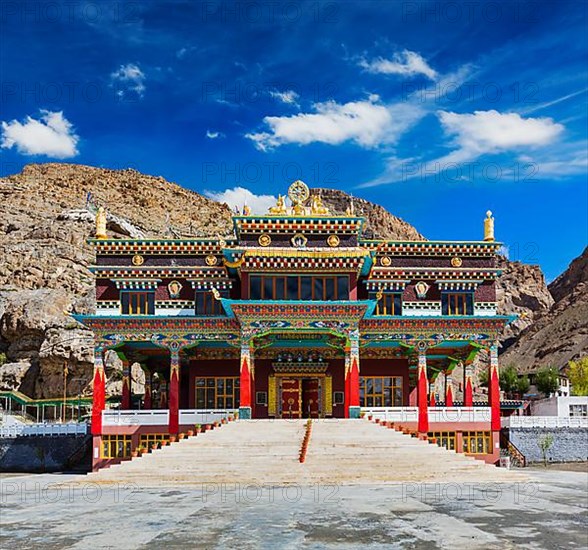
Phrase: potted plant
[181,436]
[172,438]
[190,433]
[154,446]
[135,452]
[141,449]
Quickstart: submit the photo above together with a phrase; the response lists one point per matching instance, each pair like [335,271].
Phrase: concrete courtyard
[549,510]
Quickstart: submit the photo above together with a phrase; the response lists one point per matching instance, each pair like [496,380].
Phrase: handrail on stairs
[512,449]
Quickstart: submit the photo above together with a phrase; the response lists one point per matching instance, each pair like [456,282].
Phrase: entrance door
[291,402]
[310,397]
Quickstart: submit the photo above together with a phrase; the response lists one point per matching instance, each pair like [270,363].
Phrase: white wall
[556,406]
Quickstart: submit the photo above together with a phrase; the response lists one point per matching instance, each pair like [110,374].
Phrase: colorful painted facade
[297,315]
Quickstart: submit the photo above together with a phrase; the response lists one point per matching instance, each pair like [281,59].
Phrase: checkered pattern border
[159,272]
[308,226]
[385,285]
[427,248]
[136,284]
[164,247]
[457,285]
[302,264]
[223,284]
[387,273]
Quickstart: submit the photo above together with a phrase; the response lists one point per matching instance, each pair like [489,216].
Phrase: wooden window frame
[457,303]
[212,306]
[395,382]
[390,301]
[446,440]
[477,440]
[116,446]
[140,302]
[334,278]
[234,395]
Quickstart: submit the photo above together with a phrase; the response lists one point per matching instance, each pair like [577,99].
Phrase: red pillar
[448,391]
[468,391]
[126,386]
[432,402]
[245,382]
[99,392]
[494,389]
[147,399]
[352,404]
[423,423]
[174,392]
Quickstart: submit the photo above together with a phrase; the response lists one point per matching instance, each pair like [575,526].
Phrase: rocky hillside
[379,223]
[561,333]
[44,260]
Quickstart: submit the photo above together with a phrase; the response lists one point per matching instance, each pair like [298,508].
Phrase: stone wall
[569,444]
[46,454]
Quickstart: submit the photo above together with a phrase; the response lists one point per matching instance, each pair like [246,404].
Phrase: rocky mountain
[379,222]
[47,213]
[46,217]
[559,334]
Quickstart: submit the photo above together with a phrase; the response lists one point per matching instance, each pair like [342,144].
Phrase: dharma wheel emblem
[333,240]
[264,240]
[456,262]
[138,259]
[211,260]
[298,192]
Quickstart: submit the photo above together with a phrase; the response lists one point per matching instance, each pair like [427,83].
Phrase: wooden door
[310,398]
[291,402]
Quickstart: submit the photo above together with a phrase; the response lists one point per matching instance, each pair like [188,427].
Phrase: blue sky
[438,111]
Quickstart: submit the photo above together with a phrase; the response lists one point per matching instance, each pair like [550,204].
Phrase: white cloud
[52,135]
[237,197]
[214,134]
[367,123]
[405,63]
[129,78]
[491,132]
[289,97]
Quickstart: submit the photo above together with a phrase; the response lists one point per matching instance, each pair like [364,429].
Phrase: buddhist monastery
[295,315]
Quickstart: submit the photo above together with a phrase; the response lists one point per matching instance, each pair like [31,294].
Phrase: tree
[483,378]
[547,380]
[523,384]
[508,378]
[578,375]
[545,444]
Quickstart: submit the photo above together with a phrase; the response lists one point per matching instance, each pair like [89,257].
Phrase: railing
[436,414]
[392,414]
[160,417]
[135,417]
[545,422]
[47,430]
[459,414]
[204,416]
[516,456]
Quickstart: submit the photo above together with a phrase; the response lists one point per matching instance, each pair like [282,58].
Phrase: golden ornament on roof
[279,208]
[489,227]
[385,261]
[101,223]
[138,259]
[298,192]
[456,262]
[211,260]
[264,240]
[317,208]
[333,240]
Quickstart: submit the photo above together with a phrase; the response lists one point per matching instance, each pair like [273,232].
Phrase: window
[137,303]
[579,410]
[389,304]
[296,287]
[380,391]
[217,392]
[338,398]
[444,439]
[116,446]
[261,398]
[478,443]
[457,303]
[146,440]
[207,304]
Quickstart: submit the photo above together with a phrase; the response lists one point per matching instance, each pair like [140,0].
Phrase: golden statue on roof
[489,227]
[280,207]
[317,208]
[101,223]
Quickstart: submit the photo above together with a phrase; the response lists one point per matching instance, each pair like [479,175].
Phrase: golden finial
[351,208]
[317,208]
[101,223]
[246,210]
[489,227]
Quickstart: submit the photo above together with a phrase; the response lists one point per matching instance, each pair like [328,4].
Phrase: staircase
[267,452]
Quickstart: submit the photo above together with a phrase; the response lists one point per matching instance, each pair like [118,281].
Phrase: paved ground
[549,511]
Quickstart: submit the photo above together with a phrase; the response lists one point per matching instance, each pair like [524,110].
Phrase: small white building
[562,406]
